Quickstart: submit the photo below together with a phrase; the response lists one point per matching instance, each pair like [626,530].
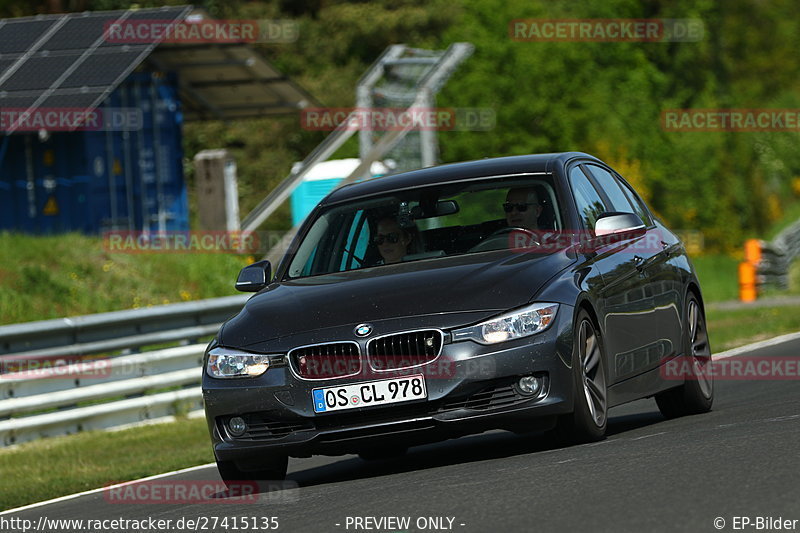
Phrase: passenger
[522,208]
[392,241]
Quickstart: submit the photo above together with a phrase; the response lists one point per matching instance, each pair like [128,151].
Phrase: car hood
[493,282]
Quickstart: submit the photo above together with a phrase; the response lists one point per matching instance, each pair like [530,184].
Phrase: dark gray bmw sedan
[524,293]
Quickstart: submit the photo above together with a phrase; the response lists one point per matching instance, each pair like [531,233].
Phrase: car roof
[453,172]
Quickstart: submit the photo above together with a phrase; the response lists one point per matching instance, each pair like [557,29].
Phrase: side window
[638,205]
[309,264]
[305,262]
[357,242]
[609,184]
[589,203]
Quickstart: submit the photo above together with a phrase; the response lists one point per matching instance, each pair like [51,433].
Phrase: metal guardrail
[63,376]
[777,257]
[103,332]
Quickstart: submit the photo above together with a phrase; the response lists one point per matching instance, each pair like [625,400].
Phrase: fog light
[529,385]
[237,426]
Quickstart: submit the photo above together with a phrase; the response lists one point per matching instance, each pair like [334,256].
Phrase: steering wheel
[499,239]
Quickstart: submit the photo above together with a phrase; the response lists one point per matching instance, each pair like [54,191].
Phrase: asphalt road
[650,474]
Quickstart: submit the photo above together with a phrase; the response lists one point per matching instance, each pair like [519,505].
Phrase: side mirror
[255,277]
[624,225]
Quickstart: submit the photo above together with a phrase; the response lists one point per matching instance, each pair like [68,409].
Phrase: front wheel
[272,469]
[696,395]
[588,420]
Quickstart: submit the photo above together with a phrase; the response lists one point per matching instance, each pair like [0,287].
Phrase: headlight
[523,322]
[228,363]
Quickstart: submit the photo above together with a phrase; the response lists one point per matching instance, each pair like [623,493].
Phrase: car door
[625,302]
[664,277]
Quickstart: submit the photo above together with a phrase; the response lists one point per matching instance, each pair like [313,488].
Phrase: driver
[392,241]
[522,208]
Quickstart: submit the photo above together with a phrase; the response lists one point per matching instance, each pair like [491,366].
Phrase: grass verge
[66,275]
[49,468]
[731,328]
[718,276]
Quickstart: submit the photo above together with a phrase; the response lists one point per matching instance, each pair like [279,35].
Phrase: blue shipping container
[92,181]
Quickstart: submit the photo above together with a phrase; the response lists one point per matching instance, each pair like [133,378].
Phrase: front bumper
[471,389]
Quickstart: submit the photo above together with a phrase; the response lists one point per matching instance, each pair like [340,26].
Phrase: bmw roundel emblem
[362,330]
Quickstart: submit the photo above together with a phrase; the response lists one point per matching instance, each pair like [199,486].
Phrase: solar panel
[80,33]
[230,81]
[38,73]
[57,55]
[17,102]
[17,35]
[67,61]
[98,69]
[71,101]
[5,63]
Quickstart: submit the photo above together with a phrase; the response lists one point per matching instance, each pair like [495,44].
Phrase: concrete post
[217,190]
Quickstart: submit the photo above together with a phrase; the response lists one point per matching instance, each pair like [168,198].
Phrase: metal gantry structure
[402,77]
[405,78]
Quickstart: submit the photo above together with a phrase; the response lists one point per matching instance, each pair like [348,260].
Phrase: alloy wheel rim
[699,349]
[592,375]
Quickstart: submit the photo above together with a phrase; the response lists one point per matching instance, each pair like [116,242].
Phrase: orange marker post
[752,251]
[747,282]
[748,290]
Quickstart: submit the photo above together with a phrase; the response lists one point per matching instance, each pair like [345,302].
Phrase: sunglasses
[391,238]
[509,206]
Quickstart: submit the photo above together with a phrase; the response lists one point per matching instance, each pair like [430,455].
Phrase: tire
[589,418]
[380,455]
[273,469]
[696,395]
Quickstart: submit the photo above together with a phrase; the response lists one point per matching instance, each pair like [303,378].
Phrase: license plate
[369,393]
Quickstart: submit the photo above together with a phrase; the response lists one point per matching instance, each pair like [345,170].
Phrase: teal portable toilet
[322,179]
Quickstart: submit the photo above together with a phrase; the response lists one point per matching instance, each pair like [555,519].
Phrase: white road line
[101,489]
[757,345]
[782,418]
[648,436]
[604,441]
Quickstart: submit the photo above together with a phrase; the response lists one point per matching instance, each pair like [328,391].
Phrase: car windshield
[426,223]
